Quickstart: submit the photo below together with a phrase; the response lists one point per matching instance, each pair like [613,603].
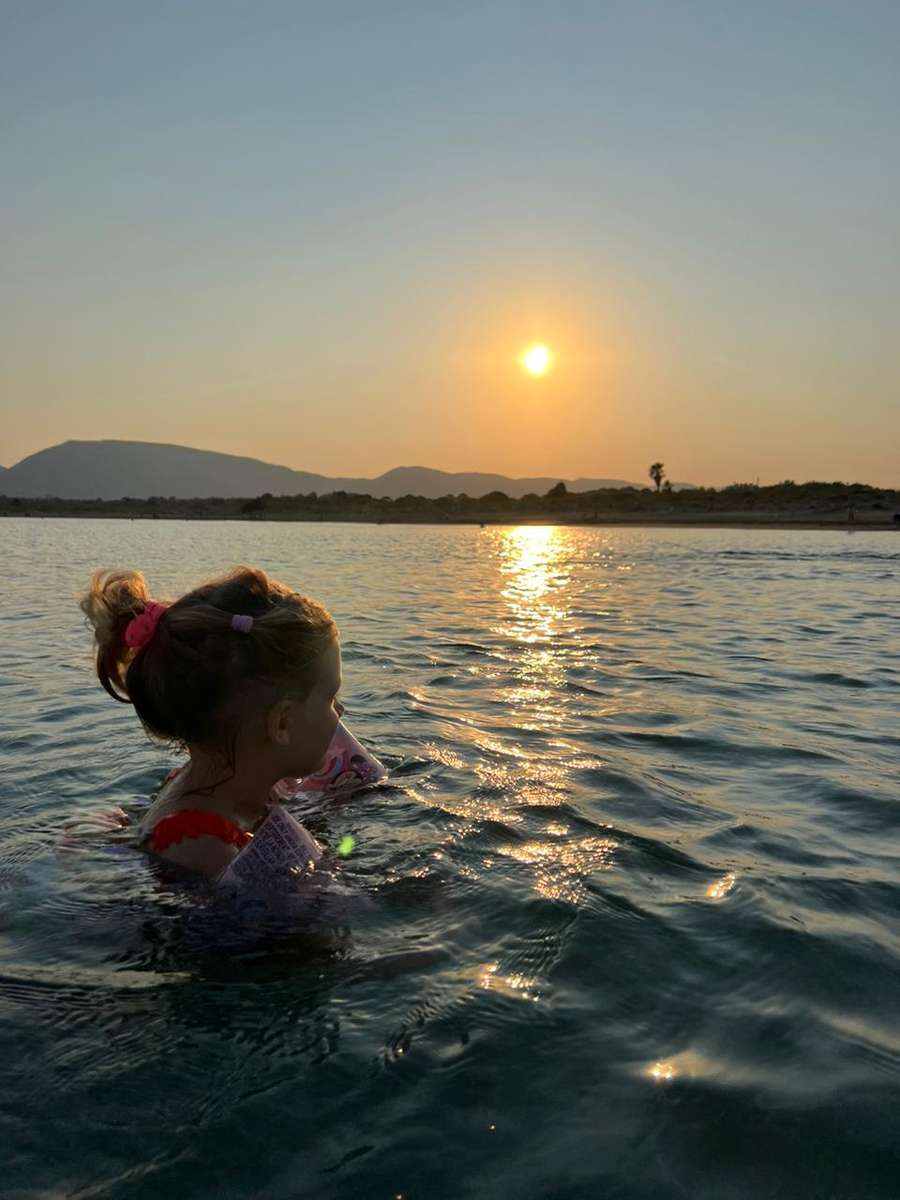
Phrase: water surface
[624,924]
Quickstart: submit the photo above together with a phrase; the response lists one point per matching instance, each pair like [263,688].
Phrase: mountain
[425,481]
[109,470]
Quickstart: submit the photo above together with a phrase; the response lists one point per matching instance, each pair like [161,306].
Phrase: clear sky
[322,234]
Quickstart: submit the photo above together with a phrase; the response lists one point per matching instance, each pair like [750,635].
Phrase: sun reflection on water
[662,1072]
[533,575]
[561,868]
[721,887]
[531,566]
[529,552]
[524,761]
[517,985]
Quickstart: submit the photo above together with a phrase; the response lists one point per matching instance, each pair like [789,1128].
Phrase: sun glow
[537,359]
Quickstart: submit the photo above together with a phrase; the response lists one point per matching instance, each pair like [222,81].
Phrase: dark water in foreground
[633,893]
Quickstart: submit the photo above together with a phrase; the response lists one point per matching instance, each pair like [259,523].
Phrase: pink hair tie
[140,629]
[241,623]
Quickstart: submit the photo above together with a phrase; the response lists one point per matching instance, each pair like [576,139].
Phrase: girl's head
[266,683]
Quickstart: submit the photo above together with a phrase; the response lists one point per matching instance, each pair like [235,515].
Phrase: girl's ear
[278,725]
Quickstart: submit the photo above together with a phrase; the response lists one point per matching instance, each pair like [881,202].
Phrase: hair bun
[113,598]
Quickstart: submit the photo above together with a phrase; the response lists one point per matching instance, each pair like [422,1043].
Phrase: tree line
[818,499]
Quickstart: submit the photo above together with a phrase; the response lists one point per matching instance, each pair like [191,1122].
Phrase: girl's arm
[206,854]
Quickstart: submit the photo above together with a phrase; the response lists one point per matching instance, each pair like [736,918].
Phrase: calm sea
[624,924]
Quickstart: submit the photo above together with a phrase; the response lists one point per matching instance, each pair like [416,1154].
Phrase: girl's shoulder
[192,837]
[195,823]
[198,839]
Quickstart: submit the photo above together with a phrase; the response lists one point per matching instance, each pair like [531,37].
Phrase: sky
[323,234]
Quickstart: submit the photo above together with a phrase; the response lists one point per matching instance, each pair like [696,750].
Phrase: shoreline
[638,520]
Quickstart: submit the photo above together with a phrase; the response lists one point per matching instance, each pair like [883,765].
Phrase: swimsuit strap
[195,822]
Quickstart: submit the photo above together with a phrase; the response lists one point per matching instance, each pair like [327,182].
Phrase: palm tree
[657,472]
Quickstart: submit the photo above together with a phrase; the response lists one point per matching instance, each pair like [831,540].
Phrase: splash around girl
[243,673]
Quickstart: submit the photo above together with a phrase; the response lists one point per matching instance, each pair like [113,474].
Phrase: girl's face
[318,713]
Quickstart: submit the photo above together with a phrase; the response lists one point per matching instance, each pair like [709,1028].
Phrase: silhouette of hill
[109,470]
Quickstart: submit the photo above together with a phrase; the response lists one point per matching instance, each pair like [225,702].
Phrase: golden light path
[534,574]
[524,763]
[537,359]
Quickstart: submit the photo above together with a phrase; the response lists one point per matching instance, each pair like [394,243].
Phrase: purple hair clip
[241,623]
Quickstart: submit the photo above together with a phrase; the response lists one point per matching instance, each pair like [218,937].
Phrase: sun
[537,359]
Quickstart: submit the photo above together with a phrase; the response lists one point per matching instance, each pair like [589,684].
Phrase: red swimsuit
[195,822]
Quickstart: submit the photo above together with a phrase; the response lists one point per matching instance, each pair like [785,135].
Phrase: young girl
[243,673]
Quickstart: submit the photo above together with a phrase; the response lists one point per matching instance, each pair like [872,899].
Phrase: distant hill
[109,470]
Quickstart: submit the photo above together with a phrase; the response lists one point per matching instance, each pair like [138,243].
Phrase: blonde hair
[184,683]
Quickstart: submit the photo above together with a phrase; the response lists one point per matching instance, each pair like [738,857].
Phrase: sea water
[623,922]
